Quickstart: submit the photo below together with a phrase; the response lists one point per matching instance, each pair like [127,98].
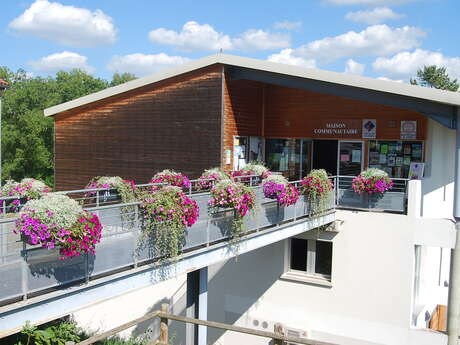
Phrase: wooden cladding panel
[295,113]
[243,107]
[172,125]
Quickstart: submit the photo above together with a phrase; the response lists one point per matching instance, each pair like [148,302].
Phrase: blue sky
[377,38]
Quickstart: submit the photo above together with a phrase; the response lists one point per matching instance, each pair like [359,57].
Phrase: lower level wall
[370,300]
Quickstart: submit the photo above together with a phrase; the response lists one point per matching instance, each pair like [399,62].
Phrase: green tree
[436,77]
[118,79]
[27,135]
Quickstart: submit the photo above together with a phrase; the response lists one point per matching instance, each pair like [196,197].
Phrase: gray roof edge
[434,95]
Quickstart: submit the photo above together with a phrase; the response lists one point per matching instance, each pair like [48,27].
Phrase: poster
[382,159]
[407,150]
[384,148]
[406,160]
[356,156]
[391,161]
[369,129]
[417,151]
[416,171]
[344,158]
[373,158]
[408,130]
[399,161]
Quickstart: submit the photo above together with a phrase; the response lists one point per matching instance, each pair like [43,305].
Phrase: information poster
[369,129]
[416,171]
[356,156]
[408,130]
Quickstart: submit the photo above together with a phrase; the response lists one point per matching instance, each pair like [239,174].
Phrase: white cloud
[287,25]
[367,2]
[67,25]
[203,37]
[388,79]
[406,64]
[353,67]
[64,61]
[142,64]
[376,40]
[285,56]
[374,16]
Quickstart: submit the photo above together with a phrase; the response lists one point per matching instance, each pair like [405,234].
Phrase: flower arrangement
[167,212]
[251,169]
[125,188]
[172,178]
[277,187]
[27,189]
[55,220]
[372,181]
[230,194]
[210,176]
[317,186]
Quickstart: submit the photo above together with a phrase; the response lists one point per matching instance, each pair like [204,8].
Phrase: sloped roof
[402,89]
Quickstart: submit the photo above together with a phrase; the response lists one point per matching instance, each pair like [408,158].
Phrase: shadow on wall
[231,293]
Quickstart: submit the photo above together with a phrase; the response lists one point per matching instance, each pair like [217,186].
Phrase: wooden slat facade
[170,125]
[188,122]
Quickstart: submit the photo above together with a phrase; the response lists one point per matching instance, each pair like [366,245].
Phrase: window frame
[310,276]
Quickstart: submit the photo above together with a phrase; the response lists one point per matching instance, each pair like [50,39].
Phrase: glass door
[350,160]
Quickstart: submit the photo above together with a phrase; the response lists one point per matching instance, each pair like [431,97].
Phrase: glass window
[314,257]
[394,157]
[290,157]
[299,250]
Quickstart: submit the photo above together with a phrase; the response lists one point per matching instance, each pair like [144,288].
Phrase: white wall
[438,185]
[370,301]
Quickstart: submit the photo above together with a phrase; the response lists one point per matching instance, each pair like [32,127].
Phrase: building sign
[369,129]
[337,128]
[408,130]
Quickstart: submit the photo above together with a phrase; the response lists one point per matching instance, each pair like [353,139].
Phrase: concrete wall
[370,301]
[438,184]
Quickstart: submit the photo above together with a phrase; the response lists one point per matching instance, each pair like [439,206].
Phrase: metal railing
[394,200]
[29,270]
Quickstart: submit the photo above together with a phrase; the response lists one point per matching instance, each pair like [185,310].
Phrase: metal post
[453,312]
[191,334]
[203,305]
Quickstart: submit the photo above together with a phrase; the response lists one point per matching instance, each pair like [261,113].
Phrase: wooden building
[226,110]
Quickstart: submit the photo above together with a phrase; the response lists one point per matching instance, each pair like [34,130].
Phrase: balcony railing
[394,200]
[27,270]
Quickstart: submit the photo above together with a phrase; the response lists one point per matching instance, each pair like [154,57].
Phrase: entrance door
[325,155]
[350,158]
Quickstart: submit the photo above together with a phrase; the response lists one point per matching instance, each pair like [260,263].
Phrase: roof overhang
[436,104]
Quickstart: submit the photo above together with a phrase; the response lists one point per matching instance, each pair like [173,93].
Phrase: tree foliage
[435,77]
[27,135]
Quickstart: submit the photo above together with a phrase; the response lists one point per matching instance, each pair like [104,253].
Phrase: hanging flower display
[317,187]
[251,169]
[210,176]
[168,211]
[125,189]
[25,190]
[277,187]
[55,220]
[172,178]
[372,181]
[234,195]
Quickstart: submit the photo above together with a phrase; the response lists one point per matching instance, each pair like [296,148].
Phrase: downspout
[453,310]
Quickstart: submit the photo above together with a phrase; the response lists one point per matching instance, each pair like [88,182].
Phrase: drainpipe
[453,310]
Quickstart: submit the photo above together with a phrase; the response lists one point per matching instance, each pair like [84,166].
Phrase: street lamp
[3,86]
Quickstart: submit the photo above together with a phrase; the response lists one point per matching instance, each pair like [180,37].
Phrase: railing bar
[118,329]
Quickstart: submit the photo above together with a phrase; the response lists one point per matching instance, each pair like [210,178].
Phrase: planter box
[389,201]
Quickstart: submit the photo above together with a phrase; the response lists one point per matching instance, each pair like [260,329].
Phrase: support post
[164,336]
[197,306]
[191,334]
[453,312]
[278,330]
[203,306]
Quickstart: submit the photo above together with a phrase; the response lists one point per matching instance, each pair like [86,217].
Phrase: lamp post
[3,86]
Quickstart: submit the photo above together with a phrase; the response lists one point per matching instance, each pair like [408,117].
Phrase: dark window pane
[323,263]
[299,254]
